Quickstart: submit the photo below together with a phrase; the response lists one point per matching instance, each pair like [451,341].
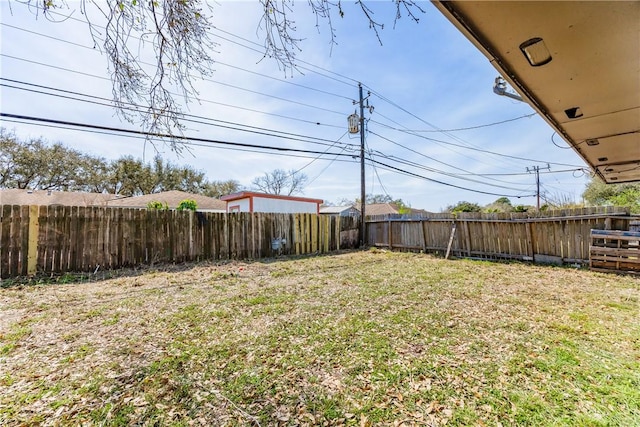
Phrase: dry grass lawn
[359,338]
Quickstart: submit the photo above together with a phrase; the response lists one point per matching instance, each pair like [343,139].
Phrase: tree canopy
[597,193]
[35,164]
[464,206]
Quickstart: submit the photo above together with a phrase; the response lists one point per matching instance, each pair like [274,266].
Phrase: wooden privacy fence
[553,237]
[54,239]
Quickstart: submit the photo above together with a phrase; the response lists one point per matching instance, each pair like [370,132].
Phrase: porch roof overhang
[589,89]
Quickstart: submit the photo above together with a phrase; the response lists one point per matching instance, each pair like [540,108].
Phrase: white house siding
[283,206]
[243,203]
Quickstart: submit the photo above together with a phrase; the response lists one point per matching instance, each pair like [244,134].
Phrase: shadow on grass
[99,275]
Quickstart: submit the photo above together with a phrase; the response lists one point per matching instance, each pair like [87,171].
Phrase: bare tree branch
[177,33]
[280,181]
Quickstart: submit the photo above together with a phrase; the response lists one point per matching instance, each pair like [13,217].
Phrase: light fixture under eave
[591,142]
[536,52]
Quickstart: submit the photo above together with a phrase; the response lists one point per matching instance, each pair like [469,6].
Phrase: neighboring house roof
[336,210]
[172,199]
[389,209]
[249,194]
[50,197]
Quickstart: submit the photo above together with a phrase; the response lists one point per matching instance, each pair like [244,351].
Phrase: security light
[536,52]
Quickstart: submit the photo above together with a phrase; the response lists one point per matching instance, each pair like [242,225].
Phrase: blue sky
[426,80]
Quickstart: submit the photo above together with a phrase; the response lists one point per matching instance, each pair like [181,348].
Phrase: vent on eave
[573,113]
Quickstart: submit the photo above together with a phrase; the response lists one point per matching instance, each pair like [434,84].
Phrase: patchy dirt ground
[361,338]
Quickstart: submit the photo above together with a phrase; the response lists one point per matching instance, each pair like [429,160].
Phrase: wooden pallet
[615,251]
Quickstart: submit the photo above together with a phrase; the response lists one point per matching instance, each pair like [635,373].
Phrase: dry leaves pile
[360,339]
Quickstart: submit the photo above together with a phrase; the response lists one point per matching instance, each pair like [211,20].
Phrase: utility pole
[536,170]
[362,186]
[356,124]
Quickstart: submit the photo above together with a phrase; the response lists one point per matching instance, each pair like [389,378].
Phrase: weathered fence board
[554,237]
[90,238]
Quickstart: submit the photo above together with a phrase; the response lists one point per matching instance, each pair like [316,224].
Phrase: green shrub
[187,204]
[157,205]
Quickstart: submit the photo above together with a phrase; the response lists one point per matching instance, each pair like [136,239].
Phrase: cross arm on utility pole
[536,169]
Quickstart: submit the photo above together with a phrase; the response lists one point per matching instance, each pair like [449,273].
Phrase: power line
[251,129]
[526,116]
[484,151]
[393,168]
[430,158]
[260,48]
[297,60]
[263,133]
[195,144]
[216,62]
[303,86]
[451,175]
[161,135]
[330,147]
[201,100]
[465,145]
[236,144]
[349,98]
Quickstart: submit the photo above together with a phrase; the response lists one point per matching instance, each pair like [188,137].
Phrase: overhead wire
[164,136]
[194,144]
[525,116]
[330,147]
[216,81]
[430,158]
[463,144]
[436,141]
[217,62]
[258,47]
[393,168]
[201,100]
[451,175]
[252,129]
[391,157]
[487,151]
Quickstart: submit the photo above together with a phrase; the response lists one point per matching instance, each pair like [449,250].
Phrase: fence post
[467,235]
[424,234]
[531,230]
[34,231]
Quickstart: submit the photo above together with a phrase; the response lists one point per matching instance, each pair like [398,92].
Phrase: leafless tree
[280,181]
[177,31]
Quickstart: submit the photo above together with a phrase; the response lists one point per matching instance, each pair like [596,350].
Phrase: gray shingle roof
[172,199]
[45,197]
